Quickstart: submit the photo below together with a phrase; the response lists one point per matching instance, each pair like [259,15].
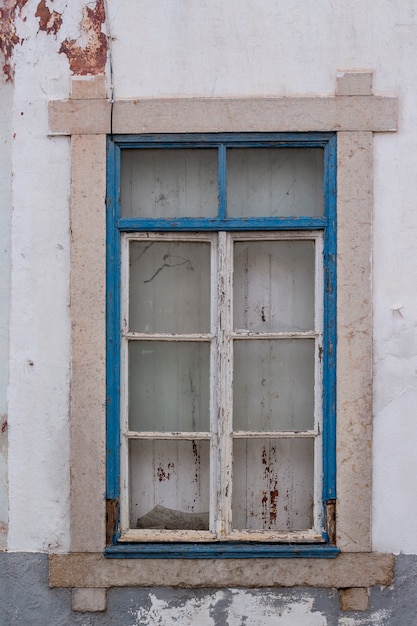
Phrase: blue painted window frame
[116,226]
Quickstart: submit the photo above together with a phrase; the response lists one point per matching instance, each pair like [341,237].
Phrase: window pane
[273,286]
[169,289]
[273,484]
[169,484]
[169,183]
[274,182]
[273,385]
[169,386]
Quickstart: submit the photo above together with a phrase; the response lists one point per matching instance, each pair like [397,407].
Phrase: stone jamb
[88,347]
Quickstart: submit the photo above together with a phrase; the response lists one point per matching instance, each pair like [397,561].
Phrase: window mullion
[224,387]
[222,182]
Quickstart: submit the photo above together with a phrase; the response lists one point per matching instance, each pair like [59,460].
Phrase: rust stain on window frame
[112,513]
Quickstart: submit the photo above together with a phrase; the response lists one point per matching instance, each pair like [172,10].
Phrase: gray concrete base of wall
[27,600]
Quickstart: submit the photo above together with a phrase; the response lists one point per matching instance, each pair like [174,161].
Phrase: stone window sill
[347,570]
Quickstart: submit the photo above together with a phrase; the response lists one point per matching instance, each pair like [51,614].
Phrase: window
[352,117]
[221,338]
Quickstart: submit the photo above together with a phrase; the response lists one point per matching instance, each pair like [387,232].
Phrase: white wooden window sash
[222,338]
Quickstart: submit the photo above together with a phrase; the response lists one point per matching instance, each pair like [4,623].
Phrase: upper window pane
[169,183]
[274,182]
[169,287]
[273,286]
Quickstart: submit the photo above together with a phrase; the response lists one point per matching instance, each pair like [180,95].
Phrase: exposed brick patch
[9,10]
[49,21]
[91,57]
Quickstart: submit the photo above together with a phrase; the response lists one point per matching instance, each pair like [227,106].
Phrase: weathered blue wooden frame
[116,225]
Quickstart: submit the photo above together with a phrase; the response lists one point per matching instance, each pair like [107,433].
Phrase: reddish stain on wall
[86,58]
[91,57]
[8,36]
[49,21]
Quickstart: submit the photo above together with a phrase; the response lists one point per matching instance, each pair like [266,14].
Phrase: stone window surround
[355,114]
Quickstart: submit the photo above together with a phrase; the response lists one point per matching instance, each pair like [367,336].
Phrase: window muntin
[298,254]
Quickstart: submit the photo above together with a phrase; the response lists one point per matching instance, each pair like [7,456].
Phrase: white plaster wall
[206,47]
[39,317]
[6,98]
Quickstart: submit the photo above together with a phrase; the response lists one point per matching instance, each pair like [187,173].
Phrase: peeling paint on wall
[89,58]
[376,618]
[87,54]
[49,21]
[8,35]
[234,607]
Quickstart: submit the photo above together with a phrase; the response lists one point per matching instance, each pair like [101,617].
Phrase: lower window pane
[169,484]
[273,484]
